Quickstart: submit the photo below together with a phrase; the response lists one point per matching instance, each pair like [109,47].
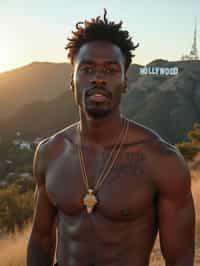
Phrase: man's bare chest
[127,191]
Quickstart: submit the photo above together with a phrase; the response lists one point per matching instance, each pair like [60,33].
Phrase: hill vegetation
[191,148]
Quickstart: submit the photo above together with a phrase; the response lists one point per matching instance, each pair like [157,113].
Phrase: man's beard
[97,110]
[97,113]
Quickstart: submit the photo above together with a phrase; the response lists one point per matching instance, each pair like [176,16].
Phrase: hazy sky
[37,30]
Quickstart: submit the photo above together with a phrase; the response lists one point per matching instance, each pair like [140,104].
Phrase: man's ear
[124,90]
[72,83]
[72,86]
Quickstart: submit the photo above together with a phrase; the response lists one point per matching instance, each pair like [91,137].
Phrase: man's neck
[101,132]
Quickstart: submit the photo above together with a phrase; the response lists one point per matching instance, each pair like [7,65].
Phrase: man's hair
[98,29]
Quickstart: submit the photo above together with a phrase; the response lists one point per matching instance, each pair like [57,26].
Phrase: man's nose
[98,82]
[98,79]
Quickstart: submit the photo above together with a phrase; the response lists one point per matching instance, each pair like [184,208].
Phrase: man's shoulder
[163,156]
[57,141]
[50,148]
[166,163]
[152,140]
[166,166]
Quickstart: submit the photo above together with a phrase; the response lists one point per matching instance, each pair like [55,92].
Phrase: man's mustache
[98,90]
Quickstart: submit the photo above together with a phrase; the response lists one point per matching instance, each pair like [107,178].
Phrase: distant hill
[32,83]
[169,105]
[36,101]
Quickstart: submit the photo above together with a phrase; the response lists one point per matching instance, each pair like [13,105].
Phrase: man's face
[99,78]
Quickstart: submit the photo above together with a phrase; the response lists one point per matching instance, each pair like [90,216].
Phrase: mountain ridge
[40,91]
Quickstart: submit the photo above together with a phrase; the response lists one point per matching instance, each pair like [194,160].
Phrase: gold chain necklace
[90,199]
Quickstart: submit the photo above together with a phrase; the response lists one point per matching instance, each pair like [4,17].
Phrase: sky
[37,30]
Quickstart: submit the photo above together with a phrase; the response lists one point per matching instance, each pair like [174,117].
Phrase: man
[107,183]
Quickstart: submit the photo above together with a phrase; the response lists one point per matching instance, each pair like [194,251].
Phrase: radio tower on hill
[193,55]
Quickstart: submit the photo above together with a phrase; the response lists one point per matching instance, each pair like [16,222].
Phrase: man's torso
[122,227]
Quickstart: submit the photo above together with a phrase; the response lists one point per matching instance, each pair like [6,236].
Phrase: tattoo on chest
[128,164]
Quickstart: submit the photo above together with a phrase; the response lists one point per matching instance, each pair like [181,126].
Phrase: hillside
[41,118]
[36,101]
[35,82]
[169,105]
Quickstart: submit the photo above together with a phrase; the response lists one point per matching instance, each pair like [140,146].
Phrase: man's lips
[97,97]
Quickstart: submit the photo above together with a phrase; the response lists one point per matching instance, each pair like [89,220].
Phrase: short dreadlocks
[102,30]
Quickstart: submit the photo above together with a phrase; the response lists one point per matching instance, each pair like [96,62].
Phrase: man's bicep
[44,210]
[176,216]
[176,227]
[44,213]
[41,245]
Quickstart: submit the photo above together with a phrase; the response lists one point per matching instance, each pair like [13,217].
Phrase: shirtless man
[109,183]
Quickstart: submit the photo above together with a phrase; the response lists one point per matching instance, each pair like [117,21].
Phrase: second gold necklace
[90,199]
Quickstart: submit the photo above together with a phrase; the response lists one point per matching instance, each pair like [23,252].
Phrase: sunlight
[7,58]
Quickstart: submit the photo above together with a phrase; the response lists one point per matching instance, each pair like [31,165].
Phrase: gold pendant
[90,200]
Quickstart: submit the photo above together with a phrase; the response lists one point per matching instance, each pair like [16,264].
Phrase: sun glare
[7,58]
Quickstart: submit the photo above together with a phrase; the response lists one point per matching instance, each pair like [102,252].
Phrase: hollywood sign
[159,71]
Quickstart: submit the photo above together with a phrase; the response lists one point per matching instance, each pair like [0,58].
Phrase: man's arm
[41,246]
[176,214]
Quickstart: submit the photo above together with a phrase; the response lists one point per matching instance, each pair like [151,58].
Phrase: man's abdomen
[94,240]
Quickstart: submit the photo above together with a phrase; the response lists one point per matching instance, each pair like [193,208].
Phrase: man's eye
[87,69]
[110,70]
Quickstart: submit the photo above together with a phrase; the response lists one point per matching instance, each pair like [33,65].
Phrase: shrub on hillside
[15,209]
[190,148]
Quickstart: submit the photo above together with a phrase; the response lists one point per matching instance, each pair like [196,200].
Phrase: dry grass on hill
[13,248]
